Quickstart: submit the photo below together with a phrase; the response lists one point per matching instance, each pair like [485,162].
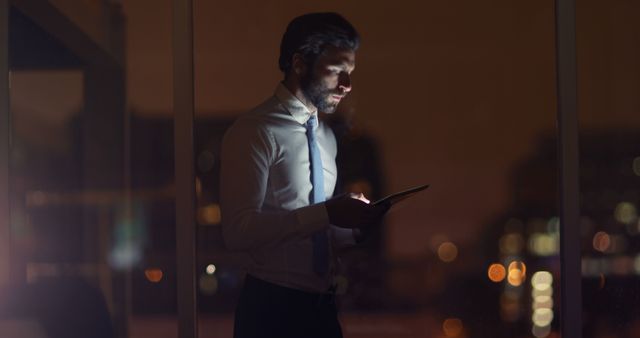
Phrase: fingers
[354,211]
[359,196]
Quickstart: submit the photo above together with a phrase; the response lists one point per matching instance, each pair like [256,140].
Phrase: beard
[318,94]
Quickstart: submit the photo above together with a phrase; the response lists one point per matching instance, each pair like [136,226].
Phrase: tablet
[399,196]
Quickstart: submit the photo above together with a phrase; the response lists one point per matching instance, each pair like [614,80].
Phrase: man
[278,168]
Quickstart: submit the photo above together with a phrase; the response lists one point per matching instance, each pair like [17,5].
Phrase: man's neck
[294,87]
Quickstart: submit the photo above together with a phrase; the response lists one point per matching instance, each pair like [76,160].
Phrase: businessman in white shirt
[277,178]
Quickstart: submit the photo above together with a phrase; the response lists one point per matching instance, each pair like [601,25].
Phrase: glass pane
[92,242]
[149,65]
[459,95]
[609,80]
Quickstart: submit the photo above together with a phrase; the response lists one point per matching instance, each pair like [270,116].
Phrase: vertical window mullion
[566,70]
[5,228]
[183,100]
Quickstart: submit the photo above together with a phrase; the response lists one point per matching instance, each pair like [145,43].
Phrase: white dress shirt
[265,192]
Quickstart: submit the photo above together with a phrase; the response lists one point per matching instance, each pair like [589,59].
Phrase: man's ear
[298,64]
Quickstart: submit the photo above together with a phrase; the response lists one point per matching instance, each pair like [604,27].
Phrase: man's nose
[345,82]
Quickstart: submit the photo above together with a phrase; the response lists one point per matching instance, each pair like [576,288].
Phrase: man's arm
[247,153]
[248,150]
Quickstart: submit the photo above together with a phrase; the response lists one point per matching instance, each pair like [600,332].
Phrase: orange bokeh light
[496,272]
[518,265]
[515,277]
[603,281]
[153,275]
[452,327]
[447,252]
[601,241]
[517,273]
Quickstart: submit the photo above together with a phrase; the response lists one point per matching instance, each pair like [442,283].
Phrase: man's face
[328,80]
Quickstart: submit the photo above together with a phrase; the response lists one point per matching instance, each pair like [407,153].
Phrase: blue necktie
[320,239]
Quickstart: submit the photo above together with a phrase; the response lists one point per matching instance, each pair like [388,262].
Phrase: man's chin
[328,108]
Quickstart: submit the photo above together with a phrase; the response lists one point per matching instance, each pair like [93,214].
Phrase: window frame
[569,169]
[5,227]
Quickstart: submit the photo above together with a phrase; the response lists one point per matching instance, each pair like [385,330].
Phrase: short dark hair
[310,33]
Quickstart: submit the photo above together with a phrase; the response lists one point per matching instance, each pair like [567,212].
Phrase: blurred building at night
[505,285]
[522,246]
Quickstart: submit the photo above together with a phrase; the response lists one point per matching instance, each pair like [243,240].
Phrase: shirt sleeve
[248,150]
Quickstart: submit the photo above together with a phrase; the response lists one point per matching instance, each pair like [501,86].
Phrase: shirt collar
[294,106]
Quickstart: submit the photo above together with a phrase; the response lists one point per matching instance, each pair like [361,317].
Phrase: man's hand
[354,211]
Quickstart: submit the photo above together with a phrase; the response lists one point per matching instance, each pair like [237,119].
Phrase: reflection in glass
[609,122]
[91,182]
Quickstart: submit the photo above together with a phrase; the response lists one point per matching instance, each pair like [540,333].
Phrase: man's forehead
[339,56]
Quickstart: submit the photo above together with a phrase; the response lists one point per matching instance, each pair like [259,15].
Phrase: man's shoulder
[265,116]
[270,113]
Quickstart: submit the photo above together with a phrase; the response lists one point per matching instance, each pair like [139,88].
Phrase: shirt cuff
[313,218]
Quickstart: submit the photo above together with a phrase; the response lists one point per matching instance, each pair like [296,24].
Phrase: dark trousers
[266,310]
